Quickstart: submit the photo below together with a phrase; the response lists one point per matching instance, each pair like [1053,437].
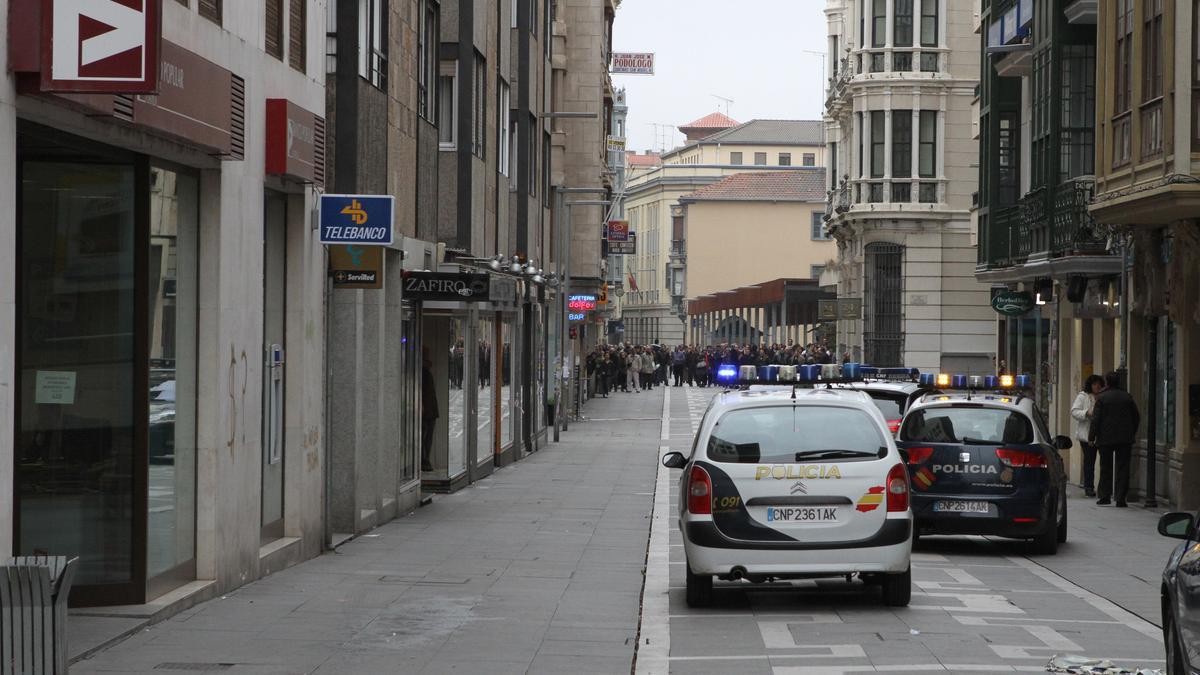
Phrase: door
[274,311]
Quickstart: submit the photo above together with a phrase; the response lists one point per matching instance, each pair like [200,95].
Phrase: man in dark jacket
[1114,427]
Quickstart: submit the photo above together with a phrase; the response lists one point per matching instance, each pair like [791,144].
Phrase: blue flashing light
[852,370]
[958,381]
[926,379]
[868,371]
[1023,381]
[726,373]
[769,373]
[809,372]
[991,382]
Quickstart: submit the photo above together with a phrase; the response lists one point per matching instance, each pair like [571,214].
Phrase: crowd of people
[633,368]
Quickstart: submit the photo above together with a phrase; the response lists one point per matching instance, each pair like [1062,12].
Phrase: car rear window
[890,405]
[776,434]
[967,425]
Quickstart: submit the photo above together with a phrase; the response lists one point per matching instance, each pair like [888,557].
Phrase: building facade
[649,310]
[162,378]
[1146,196]
[902,168]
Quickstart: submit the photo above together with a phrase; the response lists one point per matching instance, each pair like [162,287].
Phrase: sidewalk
[537,568]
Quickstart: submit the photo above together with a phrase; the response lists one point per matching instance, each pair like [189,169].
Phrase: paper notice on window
[55,387]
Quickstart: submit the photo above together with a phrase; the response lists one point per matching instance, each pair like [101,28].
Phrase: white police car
[794,482]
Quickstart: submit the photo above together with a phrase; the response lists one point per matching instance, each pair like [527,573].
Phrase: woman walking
[1081,411]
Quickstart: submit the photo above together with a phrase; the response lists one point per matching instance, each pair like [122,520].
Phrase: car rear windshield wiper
[832,454]
[975,441]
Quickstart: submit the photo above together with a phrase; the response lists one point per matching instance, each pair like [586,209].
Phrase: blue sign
[357,219]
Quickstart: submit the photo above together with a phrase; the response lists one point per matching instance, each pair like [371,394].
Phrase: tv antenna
[727,101]
[662,135]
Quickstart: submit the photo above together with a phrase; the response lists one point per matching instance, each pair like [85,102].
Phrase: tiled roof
[773,132]
[634,159]
[711,121]
[798,185]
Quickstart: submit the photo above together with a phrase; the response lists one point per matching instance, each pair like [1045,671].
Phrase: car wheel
[699,589]
[1174,649]
[897,589]
[1046,543]
[1062,520]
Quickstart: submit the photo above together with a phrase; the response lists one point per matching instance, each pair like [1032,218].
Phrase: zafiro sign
[100,46]
[446,287]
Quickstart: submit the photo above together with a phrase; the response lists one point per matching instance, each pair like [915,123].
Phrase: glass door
[274,308]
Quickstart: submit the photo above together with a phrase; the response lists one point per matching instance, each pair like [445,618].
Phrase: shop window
[488,394]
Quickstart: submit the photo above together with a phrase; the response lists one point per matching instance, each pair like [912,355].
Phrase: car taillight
[919,455]
[897,489]
[699,492]
[1018,459]
[893,426]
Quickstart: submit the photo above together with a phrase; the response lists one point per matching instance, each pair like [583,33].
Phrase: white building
[902,167]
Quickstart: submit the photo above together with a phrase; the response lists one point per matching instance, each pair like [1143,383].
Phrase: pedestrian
[429,411]
[678,365]
[1113,429]
[648,369]
[1081,412]
[701,370]
[633,367]
[603,370]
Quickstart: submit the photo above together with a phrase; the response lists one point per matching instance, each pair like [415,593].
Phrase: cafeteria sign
[1012,303]
[632,63]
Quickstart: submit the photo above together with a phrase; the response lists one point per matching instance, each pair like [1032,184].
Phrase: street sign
[618,230]
[356,266]
[840,308]
[357,219]
[101,46]
[628,247]
[603,299]
[1012,303]
[620,292]
[633,63]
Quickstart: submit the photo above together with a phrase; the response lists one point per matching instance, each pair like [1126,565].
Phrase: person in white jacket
[1081,412]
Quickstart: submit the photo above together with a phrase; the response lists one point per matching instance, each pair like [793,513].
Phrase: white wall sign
[55,387]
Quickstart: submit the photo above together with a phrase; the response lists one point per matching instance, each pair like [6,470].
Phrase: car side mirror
[1063,442]
[674,460]
[1176,525]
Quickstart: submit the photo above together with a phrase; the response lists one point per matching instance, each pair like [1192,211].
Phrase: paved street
[539,568]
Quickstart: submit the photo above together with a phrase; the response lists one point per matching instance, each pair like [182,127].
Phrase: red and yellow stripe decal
[871,500]
[924,478]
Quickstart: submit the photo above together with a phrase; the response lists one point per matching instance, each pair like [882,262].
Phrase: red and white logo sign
[102,46]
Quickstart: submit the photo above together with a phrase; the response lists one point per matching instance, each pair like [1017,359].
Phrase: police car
[794,481]
[983,462]
[892,389]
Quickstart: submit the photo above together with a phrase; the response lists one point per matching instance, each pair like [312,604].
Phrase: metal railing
[1073,230]
[1047,223]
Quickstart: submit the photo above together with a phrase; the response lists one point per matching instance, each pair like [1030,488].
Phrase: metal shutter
[297,22]
[274,30]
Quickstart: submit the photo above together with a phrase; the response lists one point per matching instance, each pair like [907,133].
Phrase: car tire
[1174,647]
[897,589]
[699,589]
[1046,543]
[1062,519]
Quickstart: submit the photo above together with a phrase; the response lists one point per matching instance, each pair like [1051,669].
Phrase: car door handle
[799,500]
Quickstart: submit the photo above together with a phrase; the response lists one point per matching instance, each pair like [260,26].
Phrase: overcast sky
[752,51]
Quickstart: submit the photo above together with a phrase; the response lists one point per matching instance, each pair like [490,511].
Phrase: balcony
[837,201]
[1047,225]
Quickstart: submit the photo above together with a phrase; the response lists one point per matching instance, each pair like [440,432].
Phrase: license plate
[802,514]
[956,506]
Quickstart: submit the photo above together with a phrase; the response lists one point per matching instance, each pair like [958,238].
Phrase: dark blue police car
[983,462]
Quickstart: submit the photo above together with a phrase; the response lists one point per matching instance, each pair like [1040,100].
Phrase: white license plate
[957,506]
[802,514]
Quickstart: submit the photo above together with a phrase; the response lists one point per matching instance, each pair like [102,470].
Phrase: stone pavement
[537,568]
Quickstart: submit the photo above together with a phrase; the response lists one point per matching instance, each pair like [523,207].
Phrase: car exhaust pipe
[737,573]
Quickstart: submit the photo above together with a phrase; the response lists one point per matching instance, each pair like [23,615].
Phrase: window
[331,38]
[902,24]
[533,16]
[298,34]
[514,4]
[785,159]
[503,122]
[513,133]
[273,32]
[447,93]
[818,226]
[833,163]
[735,158]
[809,159]
[760,159]
[1152,79]
[878,22]
[546,148]
[372,41]
[211,10]
[1196,76]
[1121,126]
[945,424]
[479,106]
[927,161]
[1078,96]
[901,145]
[427,37]
[929,23]
[877,136]
[815,271]
[779,434]
[532,154]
